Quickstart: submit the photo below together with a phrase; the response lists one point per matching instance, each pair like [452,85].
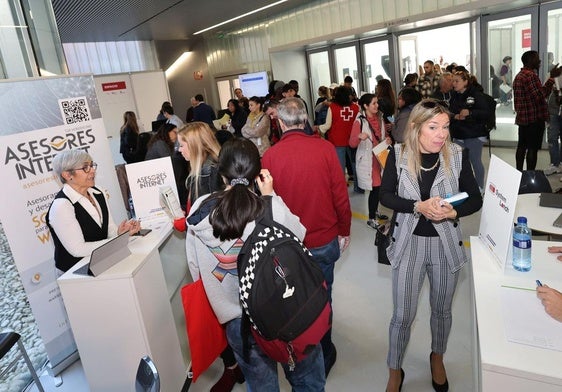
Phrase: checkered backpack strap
[246,271]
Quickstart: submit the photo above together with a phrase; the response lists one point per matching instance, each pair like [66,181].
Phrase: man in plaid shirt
[530,105]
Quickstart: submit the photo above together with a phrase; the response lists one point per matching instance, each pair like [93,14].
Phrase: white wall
[291,65]
[143,94]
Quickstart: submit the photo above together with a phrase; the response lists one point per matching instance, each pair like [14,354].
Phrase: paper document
[171,201]
[525,320]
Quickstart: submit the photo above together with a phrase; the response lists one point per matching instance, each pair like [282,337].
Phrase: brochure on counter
[146,179]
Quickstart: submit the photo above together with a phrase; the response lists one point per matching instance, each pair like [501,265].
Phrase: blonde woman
[427,237]
[257,126]
[199,146]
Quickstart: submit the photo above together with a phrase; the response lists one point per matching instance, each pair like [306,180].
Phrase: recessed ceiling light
[240,16]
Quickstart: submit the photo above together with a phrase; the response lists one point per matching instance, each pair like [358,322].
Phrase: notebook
[551,200]
[106,256]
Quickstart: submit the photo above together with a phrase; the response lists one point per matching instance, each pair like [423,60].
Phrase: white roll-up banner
[39,118]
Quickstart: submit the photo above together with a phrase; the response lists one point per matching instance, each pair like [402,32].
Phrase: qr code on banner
[74,110]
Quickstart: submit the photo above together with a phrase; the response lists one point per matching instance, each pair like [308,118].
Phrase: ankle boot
[228,379]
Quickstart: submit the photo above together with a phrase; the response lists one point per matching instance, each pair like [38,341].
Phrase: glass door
[346,64]
[319,71]
[505,37]
[377,64]
[442,45]
[226,86]
[552,54]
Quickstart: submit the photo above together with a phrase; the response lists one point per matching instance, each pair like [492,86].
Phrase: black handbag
[382,240]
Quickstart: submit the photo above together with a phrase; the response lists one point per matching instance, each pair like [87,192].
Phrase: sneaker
[373,224]
[552,169]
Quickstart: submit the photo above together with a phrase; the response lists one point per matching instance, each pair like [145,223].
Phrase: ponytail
[239,165]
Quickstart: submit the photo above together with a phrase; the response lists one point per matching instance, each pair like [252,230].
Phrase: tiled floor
[362,310]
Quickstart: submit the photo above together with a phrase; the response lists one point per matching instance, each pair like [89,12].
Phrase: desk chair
[147,379]
[534,181]
[7,341]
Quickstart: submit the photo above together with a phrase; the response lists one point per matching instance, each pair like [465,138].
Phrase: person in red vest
[339,121]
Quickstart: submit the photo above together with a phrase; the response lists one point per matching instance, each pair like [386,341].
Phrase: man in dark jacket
[202,111]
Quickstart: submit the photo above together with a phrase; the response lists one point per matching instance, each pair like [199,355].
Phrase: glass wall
[29,40]
[16,59]
[44,37]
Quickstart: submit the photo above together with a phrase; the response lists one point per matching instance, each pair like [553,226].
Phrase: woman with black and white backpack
[217,228]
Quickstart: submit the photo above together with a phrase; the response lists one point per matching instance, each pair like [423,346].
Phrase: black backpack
[282,290]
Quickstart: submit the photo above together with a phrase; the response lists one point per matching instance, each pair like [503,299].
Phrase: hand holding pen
[551,300]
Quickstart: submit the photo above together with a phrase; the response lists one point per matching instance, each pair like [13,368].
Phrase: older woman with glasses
[79,217]
[427,238]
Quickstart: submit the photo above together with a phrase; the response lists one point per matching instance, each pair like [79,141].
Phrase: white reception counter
[125,313]
[508,366]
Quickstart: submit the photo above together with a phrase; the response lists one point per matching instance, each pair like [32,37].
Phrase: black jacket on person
[129,146]
[475,124]
[238,120]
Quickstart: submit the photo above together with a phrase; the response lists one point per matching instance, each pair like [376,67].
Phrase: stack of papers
[526,321]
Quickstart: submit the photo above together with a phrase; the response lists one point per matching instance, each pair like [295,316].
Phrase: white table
[507,366]
[538,218]
[124,314]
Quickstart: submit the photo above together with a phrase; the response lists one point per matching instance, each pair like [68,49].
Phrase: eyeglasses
[88,167]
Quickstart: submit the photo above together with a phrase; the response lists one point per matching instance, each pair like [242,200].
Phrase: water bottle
[521,245]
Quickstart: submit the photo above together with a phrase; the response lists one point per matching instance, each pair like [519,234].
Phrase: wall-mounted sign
[526,38]
[112,86]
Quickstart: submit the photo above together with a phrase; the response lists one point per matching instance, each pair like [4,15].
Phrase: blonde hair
[201,144]
[419,116]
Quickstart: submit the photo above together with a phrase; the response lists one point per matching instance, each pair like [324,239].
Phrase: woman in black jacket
[129,138]
[470,112]
[238,116]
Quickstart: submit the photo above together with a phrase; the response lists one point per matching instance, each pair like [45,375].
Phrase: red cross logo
[346,113]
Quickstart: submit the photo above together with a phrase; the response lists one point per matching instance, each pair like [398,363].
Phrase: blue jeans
[260,371]
[553,137]
[326,257]
[342,153]
[474,147]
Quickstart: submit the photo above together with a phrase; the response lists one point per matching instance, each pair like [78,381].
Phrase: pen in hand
[539,284]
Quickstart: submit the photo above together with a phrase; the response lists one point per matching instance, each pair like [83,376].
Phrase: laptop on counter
[553,200]
[106,256]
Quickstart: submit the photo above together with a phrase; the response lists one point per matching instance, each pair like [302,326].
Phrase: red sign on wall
[113,86]
[526,38]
